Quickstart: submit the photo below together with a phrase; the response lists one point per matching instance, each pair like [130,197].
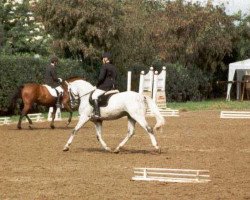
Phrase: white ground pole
[235,114]
[58,116]
[171,175]
[129,81]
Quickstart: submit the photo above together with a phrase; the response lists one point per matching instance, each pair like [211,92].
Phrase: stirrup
[96,117]
[58,105]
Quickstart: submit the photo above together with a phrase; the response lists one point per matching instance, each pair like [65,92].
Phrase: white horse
[130,104]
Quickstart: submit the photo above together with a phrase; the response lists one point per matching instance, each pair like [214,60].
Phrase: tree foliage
[140,32]
[242,39]
[193,35]
[80,28]
[19,31]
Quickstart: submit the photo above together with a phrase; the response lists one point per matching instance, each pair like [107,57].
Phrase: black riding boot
[58,103]
[96,115]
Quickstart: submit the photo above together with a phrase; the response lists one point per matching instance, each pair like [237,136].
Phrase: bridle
[74,96]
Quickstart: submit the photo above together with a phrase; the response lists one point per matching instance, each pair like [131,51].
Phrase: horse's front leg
[53,115]
[98,127]
[82,120]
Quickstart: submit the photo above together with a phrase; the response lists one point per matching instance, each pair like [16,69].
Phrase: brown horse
[31,93]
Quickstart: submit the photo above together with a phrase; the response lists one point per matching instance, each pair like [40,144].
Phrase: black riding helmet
[54,59]
[106,55]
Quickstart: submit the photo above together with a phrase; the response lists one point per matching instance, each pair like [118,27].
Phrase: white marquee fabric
[242,68]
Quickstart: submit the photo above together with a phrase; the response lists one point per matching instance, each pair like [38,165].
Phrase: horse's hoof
[116,151]
[158,150]
[108,149]
[66,149]
[19,127]
[52,126]
[30,127]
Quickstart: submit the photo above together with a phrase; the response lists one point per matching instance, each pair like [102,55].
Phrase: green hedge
[17,70]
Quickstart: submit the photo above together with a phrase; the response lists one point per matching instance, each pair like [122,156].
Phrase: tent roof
[244,64]
[241,66]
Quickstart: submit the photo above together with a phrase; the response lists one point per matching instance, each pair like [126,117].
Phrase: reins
[86,93]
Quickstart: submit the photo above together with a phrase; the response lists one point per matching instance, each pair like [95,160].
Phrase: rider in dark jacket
[107,77]
[106,81]
[51,79]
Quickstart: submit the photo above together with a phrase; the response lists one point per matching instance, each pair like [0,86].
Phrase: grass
[216,104]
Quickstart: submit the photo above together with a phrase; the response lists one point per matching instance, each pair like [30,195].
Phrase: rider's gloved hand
[60,80]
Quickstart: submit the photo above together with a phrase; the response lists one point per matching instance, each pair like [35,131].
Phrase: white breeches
[59,89]
[97,93]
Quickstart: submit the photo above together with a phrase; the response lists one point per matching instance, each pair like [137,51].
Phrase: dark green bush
[184,84]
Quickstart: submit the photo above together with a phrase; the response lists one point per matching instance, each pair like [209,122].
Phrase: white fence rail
[5,120]
[36,117]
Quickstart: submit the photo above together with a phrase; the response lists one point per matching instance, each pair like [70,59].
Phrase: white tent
[242,68]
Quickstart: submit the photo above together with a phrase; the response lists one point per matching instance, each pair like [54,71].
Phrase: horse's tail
[14,99]
[160,121]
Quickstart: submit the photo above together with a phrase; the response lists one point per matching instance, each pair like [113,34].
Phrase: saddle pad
[103,99]
[111,92]
[52,91]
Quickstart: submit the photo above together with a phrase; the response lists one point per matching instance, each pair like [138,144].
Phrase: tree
[80,28]
[140,32]
[242,39]
[87,28]
[21,33]
[193,35]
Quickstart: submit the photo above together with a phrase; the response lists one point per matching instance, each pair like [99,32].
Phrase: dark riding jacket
[50,77]
[107,77]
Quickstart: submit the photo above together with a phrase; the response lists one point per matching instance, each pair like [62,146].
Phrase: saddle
[103,99]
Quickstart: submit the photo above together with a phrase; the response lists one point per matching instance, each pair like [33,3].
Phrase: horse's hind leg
[131,129]
[19,126]
[83,119]
[142,121]
[98,127]
[24,113]
[29,120]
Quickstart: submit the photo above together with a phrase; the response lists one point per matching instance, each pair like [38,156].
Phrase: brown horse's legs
[24,113]
[29,120]
[53,118]
[20,121]
[67,107]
